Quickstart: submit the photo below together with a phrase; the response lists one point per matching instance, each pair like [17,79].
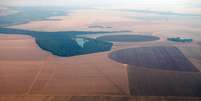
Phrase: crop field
[159,71]
[143,82]
[98,98]
[159,57]
[128,38]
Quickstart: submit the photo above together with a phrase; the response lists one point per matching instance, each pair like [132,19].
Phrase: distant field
[99,26]
[28,14]
[164,58]
[128,38]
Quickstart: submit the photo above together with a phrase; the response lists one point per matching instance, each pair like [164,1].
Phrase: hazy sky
[167,5]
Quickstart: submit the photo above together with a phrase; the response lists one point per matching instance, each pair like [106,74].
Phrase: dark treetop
[64,43]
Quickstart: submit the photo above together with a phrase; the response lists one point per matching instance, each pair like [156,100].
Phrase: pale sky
[164,5]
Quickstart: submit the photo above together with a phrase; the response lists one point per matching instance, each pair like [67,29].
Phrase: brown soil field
[96,98]
[30,70]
